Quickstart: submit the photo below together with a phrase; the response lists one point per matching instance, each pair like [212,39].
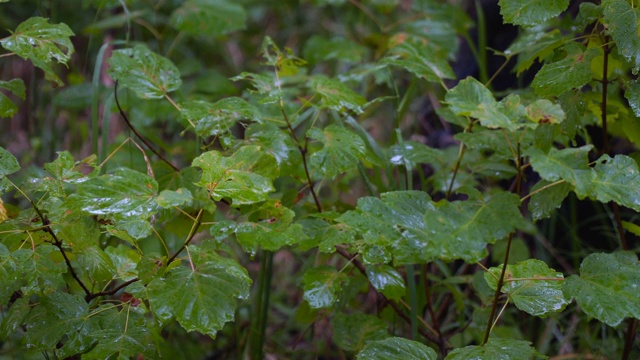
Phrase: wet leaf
[396,348]
[617,180]
[187,294]
[531,12]
[170,198]
[318,49]
[322,286]
[7,107]
[341,151]
[271,228]
[147,74]
[572,72]
[40,42]
[532,286]
[423,60]
[621,22]
[569,164]
[336,95]
[607,287]
[503,349]
[352,331]
[209,17]
[214,119]
[544,203]
[244,177]
[324,235]
[386,280]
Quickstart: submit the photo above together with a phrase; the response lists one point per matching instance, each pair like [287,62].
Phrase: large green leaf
[569,164]
[56,316]
[40,42]
[341,151]
[209,18]
[147,74]
[396,348]
[472,98]
[386,280]
[462,229]
[336,95]
[572,72]
[40,271]
[270,228]
[322,286]
[201,297]
[532,286]
[423,60]
[607,287]
[16,87]
[531,12]
[125,194]
[214,119]
[503,349]
[244,177]
[621,21]
[617,180]
[352,331]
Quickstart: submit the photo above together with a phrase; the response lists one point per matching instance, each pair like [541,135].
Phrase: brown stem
[142,138]
[632,327]
[112,291]
[192,233]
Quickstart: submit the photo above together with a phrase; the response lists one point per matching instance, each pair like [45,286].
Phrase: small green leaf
[8,163]
[278,143]
[396,348]
[322,286]
[209,17]
[545,202]
[324,235]
[413,153]
[423,60]
[214,119]
[170,198]
[534,45]
[244,177]
[351,332]
[341,151]
[617,180]
[621,21]
[569,164]
[503,349]
[531,12]
[318,49]
[631,227]
[633,96]
[56,315]
[66,169]
[10,277]
[14,319]
[125,193]
[532,286]
[336,95]
[147,74]
[40,42]
[386,280]
[544,111]
[202,298]
[572,72]
[16,87]
[607,287]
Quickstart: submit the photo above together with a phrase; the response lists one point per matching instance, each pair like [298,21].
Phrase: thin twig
[192,233]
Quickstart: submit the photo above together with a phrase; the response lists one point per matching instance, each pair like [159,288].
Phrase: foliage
[294,195]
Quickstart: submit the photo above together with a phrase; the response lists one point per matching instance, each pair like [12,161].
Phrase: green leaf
[607,287]
[57,315]
[278,143]
[270,228]
[209,18]
[147,74]
[66,169]
[170,198]
[126,194]
[532,286]
[422,59]
[462,229]
[503,349]
[396,348]
[8,163]
[531,12]
[214,119]
[336,95]
[569,164]
[244,177]
[412,153]
[14,319]
[351,332]
[10,279]
[318,49]
[633,96]
[322,286]
[534,45]
[40,271]
[324,235]
[202,298]
[16,87]
[341,151]
[572,72]
[386,280]
[545,202]
[621,21]
[472,98]
[617,180]
[125,261]
[544,111]
[40,42]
